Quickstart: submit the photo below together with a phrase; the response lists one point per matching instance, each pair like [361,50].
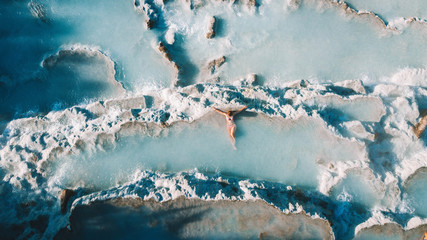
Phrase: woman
[231,126]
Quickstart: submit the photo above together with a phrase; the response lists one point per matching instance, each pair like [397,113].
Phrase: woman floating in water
[231,126]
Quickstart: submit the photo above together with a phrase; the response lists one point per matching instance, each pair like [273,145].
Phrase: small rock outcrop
[354,85]
[212,28]
[150,10]
[252,3]
[251,79]
[64,198]
[420,127]
[215,64]
[38,11]
[248,81]
[166,54]
[162,48]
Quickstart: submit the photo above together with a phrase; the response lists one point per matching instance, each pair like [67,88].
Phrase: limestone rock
[64,198]
[129,103]
[215,64]
[212,28]
[420,127]
[355,85]
[166,54]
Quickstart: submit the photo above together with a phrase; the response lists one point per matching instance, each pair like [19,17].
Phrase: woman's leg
[231,131]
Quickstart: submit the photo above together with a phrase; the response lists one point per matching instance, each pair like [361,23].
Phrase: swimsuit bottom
[230,126]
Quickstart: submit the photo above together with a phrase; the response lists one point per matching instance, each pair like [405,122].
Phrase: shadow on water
[24,85]
[106,221]
[342,90]
[188,70]
[241,117]
[25,40]
[333,116]
[343,216]
[168,220]
[71,81]
[149,101]
[220,27]
[260,80]
[246,114]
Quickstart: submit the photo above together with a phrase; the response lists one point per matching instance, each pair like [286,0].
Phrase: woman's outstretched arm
[219,111]
[243,108]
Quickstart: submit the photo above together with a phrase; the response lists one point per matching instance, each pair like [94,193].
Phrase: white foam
[64,130]
[377,219]
[410,76]
[415,222]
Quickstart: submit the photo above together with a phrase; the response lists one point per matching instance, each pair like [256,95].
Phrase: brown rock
[149,24]
[162,48]
[64,197]
[252,3]
[420,127]
[251,80]
[33,158]
[212,28]
[215,64]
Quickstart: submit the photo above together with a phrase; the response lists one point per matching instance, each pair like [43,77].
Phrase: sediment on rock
[215,64]
[420,127]
[248,3]
[166,54]
[38,11]
[162,48]
[212,28]
[352,12]
[347,10]
[149,11]
[64,198]
[249,81]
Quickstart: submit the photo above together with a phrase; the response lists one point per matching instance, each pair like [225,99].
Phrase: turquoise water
[112,27]
[300,44]
[356,188]
[297,44]
[417,193]
[267,149]
[118,30]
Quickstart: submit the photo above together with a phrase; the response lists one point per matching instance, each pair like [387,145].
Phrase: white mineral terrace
[106,113]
